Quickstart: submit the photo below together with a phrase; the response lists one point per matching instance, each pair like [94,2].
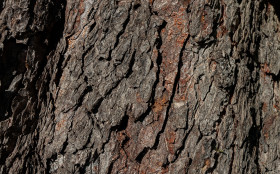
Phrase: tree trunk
[138,86]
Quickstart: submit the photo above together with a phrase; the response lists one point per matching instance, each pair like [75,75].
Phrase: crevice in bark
[190,161]
[276,5]
[49,162]
[180,149]
[239,1]
[144,115]
[141,155]
[131,63]
[211,169]
[88,141]
[233,87]
[199,137]
[136,6]
[254,138]
[218,152]
[64,146]
[56,21]
[12,62]
[81,98]
[75,169]
[158,44]
[110,169]
[27,166]
[124,25]
[1,6]
[31,12]
[95,108]
[175,85]
[232,159]
[275,77]
[59,71]
[221,116]
[232,146]
[123,124]
[91,27]
[82,169]
[209,89]
[56,35]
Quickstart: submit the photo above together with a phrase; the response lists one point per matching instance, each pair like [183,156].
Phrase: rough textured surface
[138,86]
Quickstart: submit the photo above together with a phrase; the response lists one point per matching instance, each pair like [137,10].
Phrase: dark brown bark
[122,86]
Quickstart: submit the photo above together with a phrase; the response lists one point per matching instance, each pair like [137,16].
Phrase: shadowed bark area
[138,86]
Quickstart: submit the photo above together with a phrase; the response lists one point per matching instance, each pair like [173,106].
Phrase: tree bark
[138,86]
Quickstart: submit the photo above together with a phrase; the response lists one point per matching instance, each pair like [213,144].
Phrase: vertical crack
[125,24]
[176,82]
[158,62]
[232,159]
